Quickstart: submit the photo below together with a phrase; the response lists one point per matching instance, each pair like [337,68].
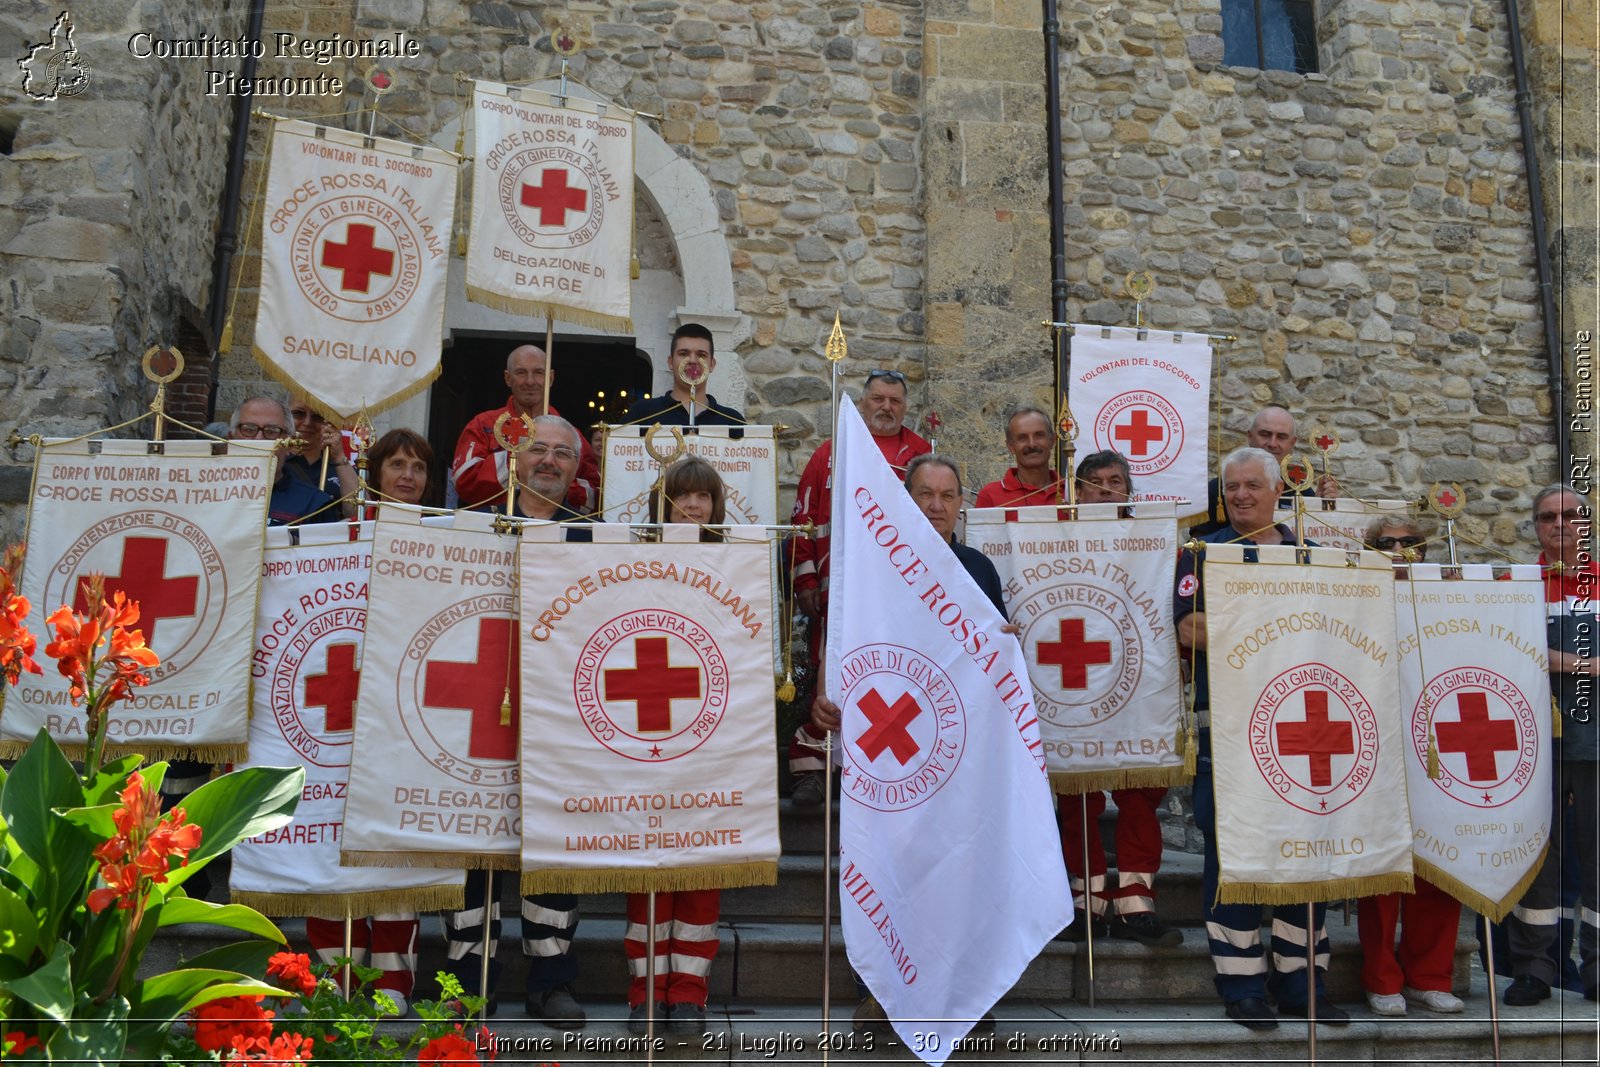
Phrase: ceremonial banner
[306,669]
[950,871]
[1149,399]
[745,456]
[355,251]
[1094,603]
[1339,522]
[1474,684]
[180,532]
[1306,727]
[648,672]
[434,770]
[552,206]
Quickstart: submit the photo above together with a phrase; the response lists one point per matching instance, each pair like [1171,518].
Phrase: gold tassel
[461,243]
[226,344]
[1433,757]
[1555,719]
[505,708]
[786,690]
[1191,748]
[633,267]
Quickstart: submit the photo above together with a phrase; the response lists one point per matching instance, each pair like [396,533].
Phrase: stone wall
[108,208]
[1364,233]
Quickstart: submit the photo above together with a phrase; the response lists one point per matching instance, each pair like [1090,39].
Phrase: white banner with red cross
[1339,522]
[951,879]
[648,676]
[306,670]
[1147,395]
[178,530]
[745,456]
[1475,688]
[552,206]
[1093,600]
[434,769]
[355,254]
[1306,727]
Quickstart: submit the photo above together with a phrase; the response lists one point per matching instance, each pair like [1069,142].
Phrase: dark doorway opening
[471,379]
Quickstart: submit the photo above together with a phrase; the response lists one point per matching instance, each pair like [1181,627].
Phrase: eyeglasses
[301,414]
[562,453]
[1545,518]
[892,375]
[269,431]
[1384,544]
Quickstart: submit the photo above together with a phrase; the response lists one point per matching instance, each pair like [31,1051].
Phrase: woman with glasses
[1420,971]
[686,921]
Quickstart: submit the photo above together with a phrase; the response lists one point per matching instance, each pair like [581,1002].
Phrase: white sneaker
[401,1006]
[1386,1003]
[1434,1000]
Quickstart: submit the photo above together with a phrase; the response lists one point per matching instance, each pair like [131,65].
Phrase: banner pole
[1311,978]
[489,887]
[1494,1002]
[549,358]
[650,977]
[827,879]
[1088,894]
[349,949]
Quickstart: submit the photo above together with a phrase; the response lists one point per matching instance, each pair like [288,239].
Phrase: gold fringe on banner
[1280,893]
[651,880]
[1068,782]
[283,378]
[543,308]
[1471,898]
[235,752]
[338,905]
[474,861]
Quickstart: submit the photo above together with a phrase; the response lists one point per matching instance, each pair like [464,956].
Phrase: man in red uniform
[1104,478]
[883,406]
[479,468]
[1030,438]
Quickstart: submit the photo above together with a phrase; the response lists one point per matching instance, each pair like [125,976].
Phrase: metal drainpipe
[1060,353]
[228,231]
[1547,297]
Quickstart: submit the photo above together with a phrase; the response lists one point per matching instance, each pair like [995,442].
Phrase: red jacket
[1010,492]
[1575,583]
[813,502]
[479,467]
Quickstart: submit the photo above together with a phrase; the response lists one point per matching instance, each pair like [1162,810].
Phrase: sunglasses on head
[892,375]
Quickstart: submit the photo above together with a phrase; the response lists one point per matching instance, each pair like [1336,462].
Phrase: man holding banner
[1250,487]
[690,361]
[1272,431]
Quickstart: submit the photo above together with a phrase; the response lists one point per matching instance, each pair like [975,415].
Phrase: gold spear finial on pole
[836,348]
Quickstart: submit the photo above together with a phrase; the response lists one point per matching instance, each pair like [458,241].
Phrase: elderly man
[479,468]
[1563,522]
[1105,478]
[883,406]
[1030,439]
[545,470]
[692,356]
[1272,430]
[294,500]
[1250,489]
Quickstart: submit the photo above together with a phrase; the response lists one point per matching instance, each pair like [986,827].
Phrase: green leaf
[97,1033]
[99,940]
[97,822]
[236,806]
[112,779]
[247,957]
[181,909]
[19,934]
[166,996]
[49,988]
[41,781]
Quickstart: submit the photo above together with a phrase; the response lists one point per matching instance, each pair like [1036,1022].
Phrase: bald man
[1272,430]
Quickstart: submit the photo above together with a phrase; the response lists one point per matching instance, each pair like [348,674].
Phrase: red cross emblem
[1447,499]
[143,580]
[1139,432]
[1317,738]
[335,689]
[553,197]
[1073,654]
[888,726]
[358,258]
[1325,442]
[652,684]
[479,687]
[1478,736]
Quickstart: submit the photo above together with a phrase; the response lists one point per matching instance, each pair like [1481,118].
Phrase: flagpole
[836,350]
[549,354]
[1494,1001]
[483,962]
[1288,466]
[1088,891]
[650,977]
[349,950]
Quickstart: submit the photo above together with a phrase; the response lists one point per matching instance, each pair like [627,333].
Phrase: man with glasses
[321,436]
[691,358]
[1563,523]
[1272,431]
[479,468]
[883,407]
[1030,438]
[294,500]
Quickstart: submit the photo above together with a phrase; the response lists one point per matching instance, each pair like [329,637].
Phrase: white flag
[1147,395]
[354,255]
[951,877]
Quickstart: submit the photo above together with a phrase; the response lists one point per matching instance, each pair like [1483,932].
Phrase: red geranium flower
[448,1048]
[17,1043]
[222,1024]
[293,971]
[285,1048]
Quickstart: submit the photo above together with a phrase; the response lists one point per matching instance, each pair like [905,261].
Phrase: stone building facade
[1364,232]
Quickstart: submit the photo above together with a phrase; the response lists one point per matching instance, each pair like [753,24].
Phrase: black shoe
[638,1013]
[1525,991]
[1145,928]
[558,1007]
[1079,930]
[807,791]
[1328,1012]
[1252,1013]
[688,1019]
